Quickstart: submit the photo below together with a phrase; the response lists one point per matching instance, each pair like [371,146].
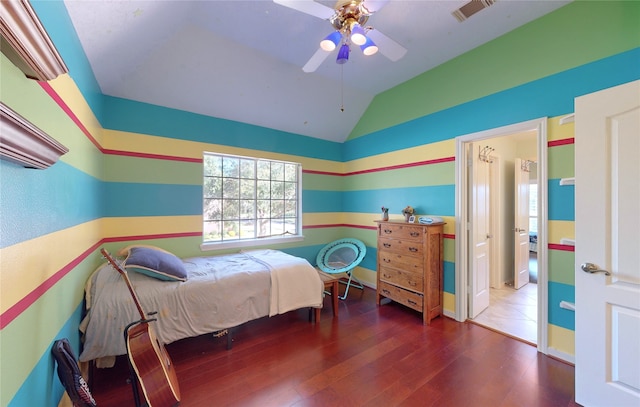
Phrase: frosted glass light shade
[357,34]
[369,47]
[343,54]
[331,41]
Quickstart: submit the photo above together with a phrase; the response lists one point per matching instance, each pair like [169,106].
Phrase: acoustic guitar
[148,358]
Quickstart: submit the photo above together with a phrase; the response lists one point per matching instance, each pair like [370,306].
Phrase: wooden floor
[368,356]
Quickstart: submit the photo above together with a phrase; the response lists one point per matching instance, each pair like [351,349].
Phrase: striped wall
[133,171]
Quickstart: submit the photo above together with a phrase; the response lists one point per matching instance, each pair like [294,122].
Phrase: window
[247,199]
[533,208]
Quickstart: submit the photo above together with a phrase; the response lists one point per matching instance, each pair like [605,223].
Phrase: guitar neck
[125,276]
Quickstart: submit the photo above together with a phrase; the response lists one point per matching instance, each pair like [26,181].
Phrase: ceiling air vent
[471,8]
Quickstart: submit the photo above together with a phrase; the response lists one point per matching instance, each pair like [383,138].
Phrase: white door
[521,224]
[480,233]
[607,224]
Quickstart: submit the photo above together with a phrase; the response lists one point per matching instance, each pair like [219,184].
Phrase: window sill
[209,246]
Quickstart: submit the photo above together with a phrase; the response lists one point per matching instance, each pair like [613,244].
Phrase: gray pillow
[155,263]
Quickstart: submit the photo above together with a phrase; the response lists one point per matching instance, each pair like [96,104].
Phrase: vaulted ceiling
[242,60]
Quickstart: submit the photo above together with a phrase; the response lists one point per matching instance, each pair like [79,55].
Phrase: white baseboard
[561,355]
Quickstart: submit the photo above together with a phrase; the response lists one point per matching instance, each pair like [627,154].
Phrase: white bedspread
[294,282]
[221,292]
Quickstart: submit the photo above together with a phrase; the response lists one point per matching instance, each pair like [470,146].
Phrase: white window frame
[260,241]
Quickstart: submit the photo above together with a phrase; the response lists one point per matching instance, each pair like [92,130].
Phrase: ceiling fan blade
[388,47]
[308,7]
[374,5]
[315,61]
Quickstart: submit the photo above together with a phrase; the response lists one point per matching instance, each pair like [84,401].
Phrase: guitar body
[148,358]
[152,365]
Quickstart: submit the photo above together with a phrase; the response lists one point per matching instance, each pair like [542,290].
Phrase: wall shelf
[567,181]
[23,143]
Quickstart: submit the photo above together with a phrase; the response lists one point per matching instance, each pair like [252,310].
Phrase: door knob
[592,268]
[518,230]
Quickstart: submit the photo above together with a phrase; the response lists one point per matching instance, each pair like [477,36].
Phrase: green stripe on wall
[152,171]
[322,182]
[541,48]
[561,266]
[561,161]
[420,176]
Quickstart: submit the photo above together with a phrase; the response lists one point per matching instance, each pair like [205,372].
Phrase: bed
[205,295]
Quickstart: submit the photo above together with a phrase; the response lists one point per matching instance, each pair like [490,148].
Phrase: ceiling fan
[348,18]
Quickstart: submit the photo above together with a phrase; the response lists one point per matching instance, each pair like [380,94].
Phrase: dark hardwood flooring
[368,356]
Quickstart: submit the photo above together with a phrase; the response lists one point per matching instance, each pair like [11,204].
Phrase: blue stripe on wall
[560,316]
[53,200]
[132,199]
[56,20]
[130,116]
[432,200]
[550,96]
[43,387]
[449,277]
[321,201]
[561,201]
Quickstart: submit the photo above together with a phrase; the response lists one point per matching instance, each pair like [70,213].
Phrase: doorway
[495,288]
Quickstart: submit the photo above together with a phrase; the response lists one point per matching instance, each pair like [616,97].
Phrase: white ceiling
[242,60]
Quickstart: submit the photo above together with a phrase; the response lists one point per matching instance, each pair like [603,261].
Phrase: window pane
[247,169]
[277,190]
[247,209]
[264,170]
[290,190]
[231,209]
[264,208]
[290,172]
[264,189]
[277,209]
[230,167]
[231,230]
[290,208]
[263,228]
[211,231]
[212,209]
[212,187]
[277,171]
[212,166]
[247,229]
[247,189]
[231,188]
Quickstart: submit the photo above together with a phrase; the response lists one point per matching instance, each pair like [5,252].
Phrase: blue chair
[342,256]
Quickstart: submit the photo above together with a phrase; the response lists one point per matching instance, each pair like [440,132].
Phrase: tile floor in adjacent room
[514,312]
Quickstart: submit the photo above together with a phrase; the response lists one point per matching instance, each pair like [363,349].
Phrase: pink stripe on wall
[562,142]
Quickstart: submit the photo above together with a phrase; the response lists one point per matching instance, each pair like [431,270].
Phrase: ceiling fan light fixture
[343,54]
[358,36]
[369,47]
[331,41]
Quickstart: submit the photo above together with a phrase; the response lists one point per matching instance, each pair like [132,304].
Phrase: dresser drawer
[401,261]
[401,231]
[408,247]
[401,278]
[404,297]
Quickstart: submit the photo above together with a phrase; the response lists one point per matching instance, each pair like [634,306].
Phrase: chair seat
[339,258]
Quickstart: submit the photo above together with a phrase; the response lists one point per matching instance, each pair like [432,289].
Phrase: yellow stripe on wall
[147,144]
[68,91]
[421,153]
[150,225]
[449,302]
[557,131]
[562,339]
[28,264]
[559,229]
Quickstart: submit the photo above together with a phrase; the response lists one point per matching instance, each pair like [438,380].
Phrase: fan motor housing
[349,13]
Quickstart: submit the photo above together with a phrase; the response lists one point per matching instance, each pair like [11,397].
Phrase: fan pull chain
[342,88]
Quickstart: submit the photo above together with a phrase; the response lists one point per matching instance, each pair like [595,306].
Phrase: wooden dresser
[410,261]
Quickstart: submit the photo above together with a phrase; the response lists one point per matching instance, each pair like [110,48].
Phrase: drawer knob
[413,283]
[386,260]
[386,244]
[412,302]
[387,231]
[386,291]
[413,249]
[386,276]
[415,234]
